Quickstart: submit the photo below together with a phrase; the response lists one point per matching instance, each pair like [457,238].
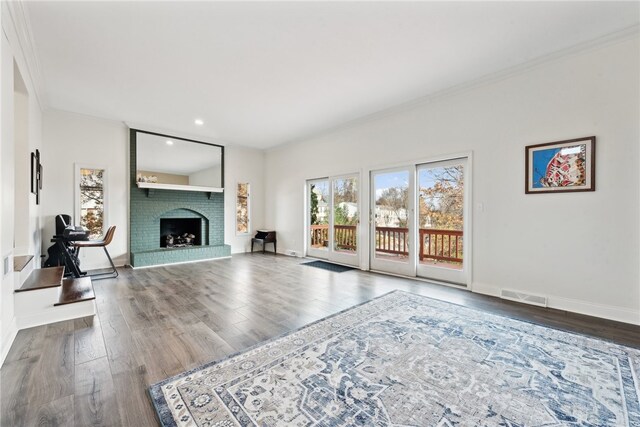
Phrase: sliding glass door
[441,220]
[419,221]
[318,217]
[392,245]
[333,219]
[345,220]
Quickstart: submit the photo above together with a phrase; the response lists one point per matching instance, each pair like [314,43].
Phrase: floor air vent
[522,297]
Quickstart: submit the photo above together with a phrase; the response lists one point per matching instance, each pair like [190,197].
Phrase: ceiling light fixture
[169,142]
[198,122]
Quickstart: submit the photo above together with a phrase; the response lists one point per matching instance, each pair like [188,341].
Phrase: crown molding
[17,28]
[608,39]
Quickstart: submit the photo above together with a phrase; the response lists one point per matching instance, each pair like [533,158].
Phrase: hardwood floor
[155,323]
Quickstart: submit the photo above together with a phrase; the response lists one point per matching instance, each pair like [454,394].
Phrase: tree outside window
[92,201]
[442,198]
[242,209]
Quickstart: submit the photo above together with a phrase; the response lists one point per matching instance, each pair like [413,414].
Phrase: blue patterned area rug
[408,360]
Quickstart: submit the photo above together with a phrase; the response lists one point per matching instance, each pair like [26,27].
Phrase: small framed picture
[561,166]
[34,172]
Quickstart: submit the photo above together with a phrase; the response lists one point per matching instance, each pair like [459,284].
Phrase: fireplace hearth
[180,232]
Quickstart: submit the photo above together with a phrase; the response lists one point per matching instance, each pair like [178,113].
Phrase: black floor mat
[328,266]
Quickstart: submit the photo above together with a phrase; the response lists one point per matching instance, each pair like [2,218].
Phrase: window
[90,202]
[242,209]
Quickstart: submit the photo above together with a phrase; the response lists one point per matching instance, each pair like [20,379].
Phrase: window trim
[105,190]
[248,232]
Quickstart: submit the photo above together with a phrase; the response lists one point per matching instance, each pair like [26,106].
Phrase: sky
[401,179]
[385,180]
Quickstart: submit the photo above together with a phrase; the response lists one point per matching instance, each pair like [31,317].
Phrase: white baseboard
[8,339]
[485,289]
[611,312]
[120,260]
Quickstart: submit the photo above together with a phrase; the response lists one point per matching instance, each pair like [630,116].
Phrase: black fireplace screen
[180,232]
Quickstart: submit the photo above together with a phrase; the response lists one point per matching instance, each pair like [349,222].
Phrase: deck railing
[345,236]
[440,245]
[392,240]
[320,235]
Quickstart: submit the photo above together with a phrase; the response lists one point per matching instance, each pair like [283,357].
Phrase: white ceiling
[264,73]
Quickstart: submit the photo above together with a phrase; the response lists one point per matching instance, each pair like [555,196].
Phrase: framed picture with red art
[561,166]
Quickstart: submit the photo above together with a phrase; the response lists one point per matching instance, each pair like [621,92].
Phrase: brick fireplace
[148,209]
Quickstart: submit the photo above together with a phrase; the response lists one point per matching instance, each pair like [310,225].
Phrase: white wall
[579,249]
[71,139]
[12,55]
[22,170]
[35,211]
[243,165]
[27,138]
[4,344]
[7,318]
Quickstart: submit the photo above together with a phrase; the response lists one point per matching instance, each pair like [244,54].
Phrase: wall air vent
[538,300]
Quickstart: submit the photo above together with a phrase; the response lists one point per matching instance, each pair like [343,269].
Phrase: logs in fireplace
[180,232]
[175,241]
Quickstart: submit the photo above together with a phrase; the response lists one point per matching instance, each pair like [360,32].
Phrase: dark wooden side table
[263,237]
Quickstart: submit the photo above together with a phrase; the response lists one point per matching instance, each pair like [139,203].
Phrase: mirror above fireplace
[172,163]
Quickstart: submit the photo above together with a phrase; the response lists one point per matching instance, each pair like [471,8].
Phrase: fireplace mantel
[150,186]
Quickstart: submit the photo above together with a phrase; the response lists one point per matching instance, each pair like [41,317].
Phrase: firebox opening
[180,232]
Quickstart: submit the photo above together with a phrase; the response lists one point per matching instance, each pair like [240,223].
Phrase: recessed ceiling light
[169,142]
[198,122]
